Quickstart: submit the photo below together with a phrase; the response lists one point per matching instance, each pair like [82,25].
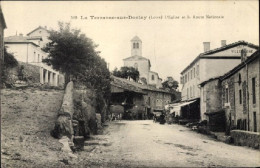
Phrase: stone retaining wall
[246,138]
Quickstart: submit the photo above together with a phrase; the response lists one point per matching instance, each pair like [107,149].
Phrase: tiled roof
[124,83]
[219,50]
[208,80]
[127,85]
[18,39]
[35,38]
[40,27]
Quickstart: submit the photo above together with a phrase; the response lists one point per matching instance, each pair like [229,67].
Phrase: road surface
[147,144]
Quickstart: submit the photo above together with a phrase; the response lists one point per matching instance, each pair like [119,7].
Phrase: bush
[8,63]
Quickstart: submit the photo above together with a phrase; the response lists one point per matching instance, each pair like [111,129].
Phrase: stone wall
[246,138]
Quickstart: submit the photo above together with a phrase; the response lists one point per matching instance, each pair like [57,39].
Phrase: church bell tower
[136,46]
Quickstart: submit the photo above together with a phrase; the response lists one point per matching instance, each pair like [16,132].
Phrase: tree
[9,62]
[74,54]
[171,85]
[70,51]
[126,72]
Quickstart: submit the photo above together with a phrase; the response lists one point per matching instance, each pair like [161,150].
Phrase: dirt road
[148,144]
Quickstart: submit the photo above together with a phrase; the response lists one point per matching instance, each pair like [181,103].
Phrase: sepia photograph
[129,84]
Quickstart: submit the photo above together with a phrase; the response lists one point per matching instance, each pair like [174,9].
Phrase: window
[133,45]
[137,45]
[239,79]
[255,123]
[194,74]
[253,90]
[188,76]
[191,74]
[38,57]
[152,77]
[185,78]
[226,95]
[187,92]
[240,96]
[190,91]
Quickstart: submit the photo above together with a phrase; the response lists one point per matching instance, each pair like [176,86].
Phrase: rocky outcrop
[63,125]
[85,112]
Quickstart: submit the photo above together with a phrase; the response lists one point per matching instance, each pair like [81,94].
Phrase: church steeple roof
[136,38]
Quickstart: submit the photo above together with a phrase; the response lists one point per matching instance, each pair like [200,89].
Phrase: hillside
[28,116]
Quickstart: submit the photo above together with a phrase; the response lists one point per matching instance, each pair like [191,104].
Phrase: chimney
[206,46]
[223,43]
[21,35]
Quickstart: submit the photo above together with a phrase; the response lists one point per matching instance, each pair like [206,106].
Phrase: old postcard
[130,83]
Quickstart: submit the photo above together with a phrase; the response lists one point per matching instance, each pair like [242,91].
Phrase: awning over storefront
[176,107]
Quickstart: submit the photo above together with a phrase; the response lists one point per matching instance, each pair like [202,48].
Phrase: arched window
[137,45]
[133,45]
[152,77]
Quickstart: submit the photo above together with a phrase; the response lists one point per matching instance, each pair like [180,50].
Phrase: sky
[170,44]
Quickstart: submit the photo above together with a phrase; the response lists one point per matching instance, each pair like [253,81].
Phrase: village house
[231,101]
[142,64]
[2,27]
[210,64]
[240,94]
[27,49]
[40,32]
[139,100]
[211,104]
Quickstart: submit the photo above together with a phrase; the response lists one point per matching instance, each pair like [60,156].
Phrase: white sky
[170,44]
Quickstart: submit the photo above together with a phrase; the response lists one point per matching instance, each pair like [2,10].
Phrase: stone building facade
[210,64]
[210,97]
[240,90]
[142,64]
[142,99]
